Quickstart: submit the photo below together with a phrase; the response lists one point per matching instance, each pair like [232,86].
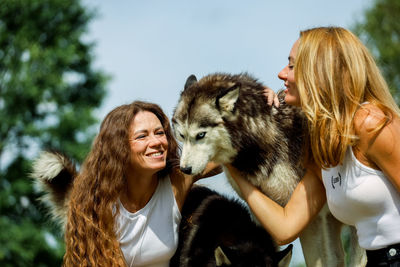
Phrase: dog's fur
[210,232]
[218,231]
[53,174]
[226,119]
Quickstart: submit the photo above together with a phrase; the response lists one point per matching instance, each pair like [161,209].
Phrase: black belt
[388,253]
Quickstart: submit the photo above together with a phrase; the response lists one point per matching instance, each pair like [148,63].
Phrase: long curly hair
[90,231]
[335,73]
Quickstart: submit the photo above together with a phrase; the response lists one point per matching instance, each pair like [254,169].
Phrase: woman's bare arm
[284,223]
[378,149]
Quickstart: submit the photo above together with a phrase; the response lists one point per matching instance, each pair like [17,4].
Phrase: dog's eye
[182,136]
[200,135]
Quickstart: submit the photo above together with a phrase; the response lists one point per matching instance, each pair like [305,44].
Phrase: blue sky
[150,47]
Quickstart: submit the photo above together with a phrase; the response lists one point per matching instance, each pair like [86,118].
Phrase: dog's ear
[220,257]
[226,101]
[190,80]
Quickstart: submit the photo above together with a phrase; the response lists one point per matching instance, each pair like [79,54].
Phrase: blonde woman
[353,144]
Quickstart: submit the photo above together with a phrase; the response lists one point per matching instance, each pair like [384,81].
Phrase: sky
[149,47]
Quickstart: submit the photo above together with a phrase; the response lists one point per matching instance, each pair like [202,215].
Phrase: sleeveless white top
[149,237]
[364,197]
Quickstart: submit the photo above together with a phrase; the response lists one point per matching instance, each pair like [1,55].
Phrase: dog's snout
[187,170]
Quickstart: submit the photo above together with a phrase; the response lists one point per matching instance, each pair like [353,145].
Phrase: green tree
[380,31]
[49,92]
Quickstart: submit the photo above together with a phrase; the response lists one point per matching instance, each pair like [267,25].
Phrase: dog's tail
[53,174]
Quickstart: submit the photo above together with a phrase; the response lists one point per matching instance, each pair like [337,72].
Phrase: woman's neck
[138,191]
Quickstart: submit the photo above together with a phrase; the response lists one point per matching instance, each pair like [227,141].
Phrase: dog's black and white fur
[225,118]
[53,174]
[218,231]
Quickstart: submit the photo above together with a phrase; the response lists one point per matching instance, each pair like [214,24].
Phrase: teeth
[156,154]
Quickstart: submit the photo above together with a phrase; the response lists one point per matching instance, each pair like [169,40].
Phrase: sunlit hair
[335,74]
[90,231]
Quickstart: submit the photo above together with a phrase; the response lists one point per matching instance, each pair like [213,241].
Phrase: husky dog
[218,231]
[210,232]
[224,118]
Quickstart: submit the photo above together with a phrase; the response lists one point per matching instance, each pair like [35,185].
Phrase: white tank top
[149,237]
[364,197]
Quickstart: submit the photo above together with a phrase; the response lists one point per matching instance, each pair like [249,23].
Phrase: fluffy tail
[53,174]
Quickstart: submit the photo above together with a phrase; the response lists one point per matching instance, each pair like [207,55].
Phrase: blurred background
[65,64]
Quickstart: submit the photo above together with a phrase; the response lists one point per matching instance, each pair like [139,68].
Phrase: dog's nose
[187,170]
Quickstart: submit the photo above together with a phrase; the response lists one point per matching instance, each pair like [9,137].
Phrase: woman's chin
[291,100]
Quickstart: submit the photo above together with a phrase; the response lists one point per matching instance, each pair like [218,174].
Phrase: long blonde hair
[335,74]
[90,231]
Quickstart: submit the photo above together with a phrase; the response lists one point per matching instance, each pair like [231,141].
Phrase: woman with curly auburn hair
[354,143]
[124,207]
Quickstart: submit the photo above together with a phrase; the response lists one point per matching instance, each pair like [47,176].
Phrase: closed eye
[160,133]
[140,137]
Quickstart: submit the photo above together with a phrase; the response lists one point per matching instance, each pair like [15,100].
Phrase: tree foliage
[380,31]
[49,92]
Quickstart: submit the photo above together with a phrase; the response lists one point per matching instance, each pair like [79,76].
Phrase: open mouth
[155,154]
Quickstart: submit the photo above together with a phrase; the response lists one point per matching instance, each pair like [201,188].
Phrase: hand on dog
[271,97]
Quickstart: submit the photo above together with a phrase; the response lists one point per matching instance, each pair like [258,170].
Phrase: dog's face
[199,125]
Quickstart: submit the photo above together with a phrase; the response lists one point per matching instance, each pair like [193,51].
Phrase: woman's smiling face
[287,75]
[148,143]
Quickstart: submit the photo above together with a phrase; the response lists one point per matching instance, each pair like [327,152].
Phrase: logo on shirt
[335,180]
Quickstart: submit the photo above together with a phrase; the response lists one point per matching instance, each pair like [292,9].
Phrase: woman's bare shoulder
[378,134]
[367,118]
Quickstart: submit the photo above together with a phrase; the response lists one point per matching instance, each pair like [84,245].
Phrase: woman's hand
[271,97]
